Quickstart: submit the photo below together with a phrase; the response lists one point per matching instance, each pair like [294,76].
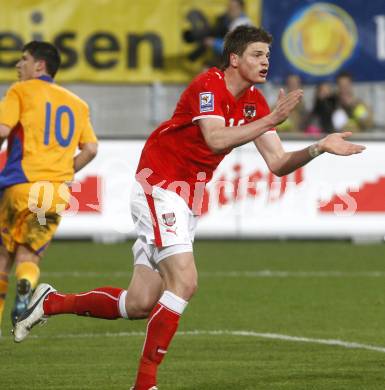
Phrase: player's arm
[220,138]
[87,153]
[88,143]
[4,133]
[282,163]
[10,108]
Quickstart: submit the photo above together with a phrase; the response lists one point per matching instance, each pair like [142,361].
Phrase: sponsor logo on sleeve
[206,101]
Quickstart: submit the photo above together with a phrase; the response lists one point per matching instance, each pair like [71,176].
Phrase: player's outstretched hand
[336,144]
[285,104]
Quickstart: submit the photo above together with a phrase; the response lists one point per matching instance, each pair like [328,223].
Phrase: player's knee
[190,292]
[139,307]
[146,305]
[188,288]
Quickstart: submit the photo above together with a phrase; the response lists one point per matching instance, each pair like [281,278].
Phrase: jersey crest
[249,111]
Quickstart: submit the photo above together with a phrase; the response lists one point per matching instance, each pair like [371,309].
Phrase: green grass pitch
[261,319]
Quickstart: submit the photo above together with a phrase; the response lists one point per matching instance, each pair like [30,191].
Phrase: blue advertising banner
[317,40]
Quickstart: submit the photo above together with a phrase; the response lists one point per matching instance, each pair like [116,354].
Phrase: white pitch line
[296,274]
[232,274]
[238,333]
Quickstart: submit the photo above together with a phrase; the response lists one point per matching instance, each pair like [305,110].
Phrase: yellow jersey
[48,124]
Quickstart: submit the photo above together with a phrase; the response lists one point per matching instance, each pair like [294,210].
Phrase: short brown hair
[236,41]
[44,51]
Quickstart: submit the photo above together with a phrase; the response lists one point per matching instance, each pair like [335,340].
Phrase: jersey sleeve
[88,134]
[10,108]
[206,99]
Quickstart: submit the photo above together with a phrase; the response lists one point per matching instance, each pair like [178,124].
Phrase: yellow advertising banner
[114,40]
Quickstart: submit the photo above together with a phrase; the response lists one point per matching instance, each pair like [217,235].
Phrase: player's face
[253,64]
[27,67]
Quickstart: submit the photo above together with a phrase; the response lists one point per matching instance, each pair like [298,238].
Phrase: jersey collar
[46,78]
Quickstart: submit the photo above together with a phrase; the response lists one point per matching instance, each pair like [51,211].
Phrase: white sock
[173,302]
[122,304]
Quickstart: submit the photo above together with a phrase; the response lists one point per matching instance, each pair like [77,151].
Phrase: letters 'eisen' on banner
[116,40]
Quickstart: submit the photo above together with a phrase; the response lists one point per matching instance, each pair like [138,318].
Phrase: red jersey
[176,156]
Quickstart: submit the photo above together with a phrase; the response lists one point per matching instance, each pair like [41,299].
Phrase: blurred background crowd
[333,107]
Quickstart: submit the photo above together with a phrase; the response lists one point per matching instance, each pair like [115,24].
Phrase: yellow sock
[28,270]
[3,292]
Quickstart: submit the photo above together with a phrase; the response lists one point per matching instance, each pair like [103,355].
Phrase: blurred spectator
[320,117]
[198,31]
[233,17]
[351,113]
[297,119]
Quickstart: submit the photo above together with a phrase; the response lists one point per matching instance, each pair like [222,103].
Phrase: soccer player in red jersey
[220,110]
